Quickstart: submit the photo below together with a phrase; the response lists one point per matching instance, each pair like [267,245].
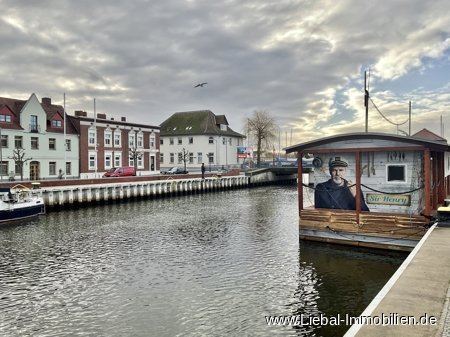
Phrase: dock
[419,289]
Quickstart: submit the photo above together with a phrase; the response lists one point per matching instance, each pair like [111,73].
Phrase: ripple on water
[201,265]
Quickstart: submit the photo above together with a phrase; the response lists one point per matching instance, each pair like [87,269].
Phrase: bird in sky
[201,84]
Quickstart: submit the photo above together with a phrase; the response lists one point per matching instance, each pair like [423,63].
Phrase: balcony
[34,128]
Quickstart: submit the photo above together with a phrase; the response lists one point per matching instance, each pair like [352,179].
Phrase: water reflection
[203,265]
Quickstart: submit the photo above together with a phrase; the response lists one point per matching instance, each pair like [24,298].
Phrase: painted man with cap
[337,192]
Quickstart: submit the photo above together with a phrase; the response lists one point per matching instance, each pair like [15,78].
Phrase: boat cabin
[372,189]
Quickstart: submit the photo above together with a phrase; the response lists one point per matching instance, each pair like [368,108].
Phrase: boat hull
[21,213]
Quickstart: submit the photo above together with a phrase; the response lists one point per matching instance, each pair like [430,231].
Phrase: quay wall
[66,195]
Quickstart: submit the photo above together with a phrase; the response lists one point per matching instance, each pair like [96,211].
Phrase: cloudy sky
[302,61]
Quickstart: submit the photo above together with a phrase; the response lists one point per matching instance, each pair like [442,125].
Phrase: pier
[419,289]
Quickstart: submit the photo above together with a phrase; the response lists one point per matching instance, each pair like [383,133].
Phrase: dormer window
[56,123]
[223,127]
[5,119]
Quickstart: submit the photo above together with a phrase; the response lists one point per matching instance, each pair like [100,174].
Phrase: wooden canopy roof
[362,136]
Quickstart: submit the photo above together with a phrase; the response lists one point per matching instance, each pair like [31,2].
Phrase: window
[34,127]
[34,143]
[161,141]
[117,159]
[117,138]
[172,158]
[17,169]
[199,158]
[5,118]
[171,141]
[161,158]
[108,160]
[180,157]
[4,168]
[191,158]
[56,124]
[4,141]
[68,145]
[68,168]
[92,137]
[131,140]
[18,142]
[140,161]
[52,168]
[180,141]
[229,141]
[92,161]
[108,138]
[140,140]
[191,140]
[52,144]
[211,140]
[224,141]
[211,158]
[152,141]
[396,173]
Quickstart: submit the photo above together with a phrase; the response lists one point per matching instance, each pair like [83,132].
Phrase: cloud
[301,61]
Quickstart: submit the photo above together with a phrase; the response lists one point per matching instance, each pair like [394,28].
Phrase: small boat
[18,203]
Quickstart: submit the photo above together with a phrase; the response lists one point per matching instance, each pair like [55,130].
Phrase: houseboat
[372,189]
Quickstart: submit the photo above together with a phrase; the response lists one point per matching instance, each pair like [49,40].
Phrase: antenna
[366,98]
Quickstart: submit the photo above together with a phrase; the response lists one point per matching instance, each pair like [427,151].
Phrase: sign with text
[389,199]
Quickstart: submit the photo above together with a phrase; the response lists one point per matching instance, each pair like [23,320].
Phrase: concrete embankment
[415,301]
[64,195]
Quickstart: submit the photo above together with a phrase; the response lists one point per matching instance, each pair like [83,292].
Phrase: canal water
[216,264]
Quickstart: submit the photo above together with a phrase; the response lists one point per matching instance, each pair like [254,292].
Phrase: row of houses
[38,141]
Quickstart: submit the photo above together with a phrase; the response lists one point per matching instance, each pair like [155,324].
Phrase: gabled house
[199,137]
[109,143]
[34,142]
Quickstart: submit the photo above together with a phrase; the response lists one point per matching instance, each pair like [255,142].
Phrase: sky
[301,61]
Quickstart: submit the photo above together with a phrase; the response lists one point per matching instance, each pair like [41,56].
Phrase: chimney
[80,113]
[46,101]
[123,119]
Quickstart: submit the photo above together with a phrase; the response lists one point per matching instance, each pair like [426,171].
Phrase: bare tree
[262,127]
[135,154]
[19,159]
[184,156]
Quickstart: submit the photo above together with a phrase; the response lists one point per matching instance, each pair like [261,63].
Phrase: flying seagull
[200,84]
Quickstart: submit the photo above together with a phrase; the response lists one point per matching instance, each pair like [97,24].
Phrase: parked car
[176,170]
[123,171]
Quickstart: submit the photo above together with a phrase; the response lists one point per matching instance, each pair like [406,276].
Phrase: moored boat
[19,203]
[373,189]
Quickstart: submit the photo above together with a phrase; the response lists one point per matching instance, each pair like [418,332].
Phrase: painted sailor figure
[337,192]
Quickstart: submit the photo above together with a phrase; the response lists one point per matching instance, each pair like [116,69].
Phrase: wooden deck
[368,229]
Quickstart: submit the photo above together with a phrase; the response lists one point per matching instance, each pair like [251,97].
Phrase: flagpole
[95,140]
[65,140]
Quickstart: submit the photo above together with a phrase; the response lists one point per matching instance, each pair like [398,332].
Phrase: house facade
[196,137]
[109,143]
[36,141]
